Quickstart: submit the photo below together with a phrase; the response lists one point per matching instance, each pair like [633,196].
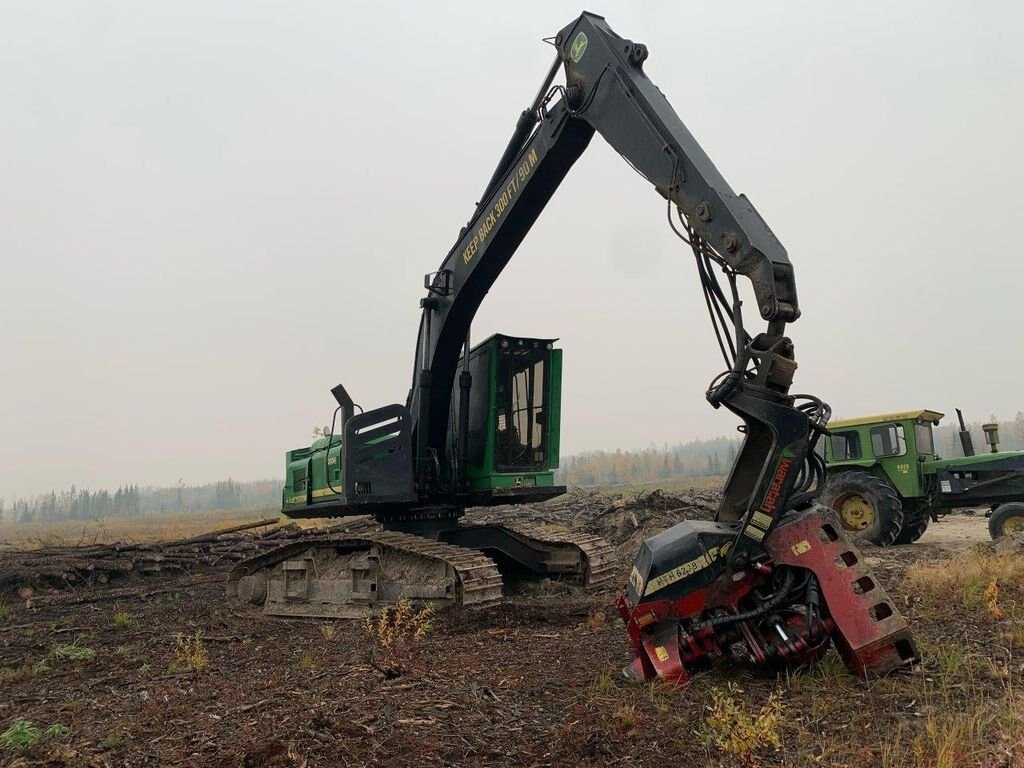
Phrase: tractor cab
[894,444]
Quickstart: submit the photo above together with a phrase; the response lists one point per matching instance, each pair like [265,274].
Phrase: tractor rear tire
[867,506]
[1006,518]
[912,531]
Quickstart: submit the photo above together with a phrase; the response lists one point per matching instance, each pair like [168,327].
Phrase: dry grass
[979,580]
[403,623]
[394,633]
[970,696]
[190,652]
[145,529]
[739,730]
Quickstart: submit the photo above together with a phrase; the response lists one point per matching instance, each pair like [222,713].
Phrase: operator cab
[514,405]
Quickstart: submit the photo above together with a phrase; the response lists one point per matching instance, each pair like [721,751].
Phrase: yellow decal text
[508,195]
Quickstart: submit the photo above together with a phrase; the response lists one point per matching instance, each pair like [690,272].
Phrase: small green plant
[123,620]
[71,652]
[56,731]
[603,685]
[5,614]
[112,740]
[731,729]
[21,735]
[189,651]
[307,662]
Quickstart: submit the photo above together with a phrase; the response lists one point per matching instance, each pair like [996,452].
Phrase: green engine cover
[312,474]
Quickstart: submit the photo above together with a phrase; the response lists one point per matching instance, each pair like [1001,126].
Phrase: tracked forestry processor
[773,581]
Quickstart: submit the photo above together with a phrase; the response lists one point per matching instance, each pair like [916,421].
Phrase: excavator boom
[606,91]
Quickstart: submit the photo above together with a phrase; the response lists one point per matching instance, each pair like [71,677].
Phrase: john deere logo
[579,46]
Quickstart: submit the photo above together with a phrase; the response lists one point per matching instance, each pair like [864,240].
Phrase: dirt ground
[114,676]
[955,532]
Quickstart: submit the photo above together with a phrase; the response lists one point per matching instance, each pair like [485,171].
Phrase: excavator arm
[606,90]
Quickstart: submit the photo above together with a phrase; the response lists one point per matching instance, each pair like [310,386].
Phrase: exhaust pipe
[965,436]
[346,405]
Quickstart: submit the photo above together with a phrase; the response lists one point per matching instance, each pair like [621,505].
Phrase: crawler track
[599,561]
[347,576]
[479,581]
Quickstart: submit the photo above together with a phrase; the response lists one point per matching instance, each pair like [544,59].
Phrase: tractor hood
[1005,461]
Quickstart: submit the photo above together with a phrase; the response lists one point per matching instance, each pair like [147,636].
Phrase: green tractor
[886,482]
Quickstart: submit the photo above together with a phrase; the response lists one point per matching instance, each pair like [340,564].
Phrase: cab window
[888,440]
[845,446]
[925,440]
[521,441]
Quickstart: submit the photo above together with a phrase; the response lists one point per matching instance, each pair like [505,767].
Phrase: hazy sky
[212,212]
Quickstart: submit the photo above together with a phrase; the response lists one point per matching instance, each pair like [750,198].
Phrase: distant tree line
[697,457]
[947,436]
[133,501]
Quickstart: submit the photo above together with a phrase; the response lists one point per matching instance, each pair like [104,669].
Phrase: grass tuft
[56,731]
[21,735]
[14,674]
[71,652]
[730,728]
[190,651]
[113,740]
[402,623]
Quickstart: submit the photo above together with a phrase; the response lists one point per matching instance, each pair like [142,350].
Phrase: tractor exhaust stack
[965,436]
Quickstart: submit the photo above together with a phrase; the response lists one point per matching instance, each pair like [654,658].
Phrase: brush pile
[67,566]
[622,519]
